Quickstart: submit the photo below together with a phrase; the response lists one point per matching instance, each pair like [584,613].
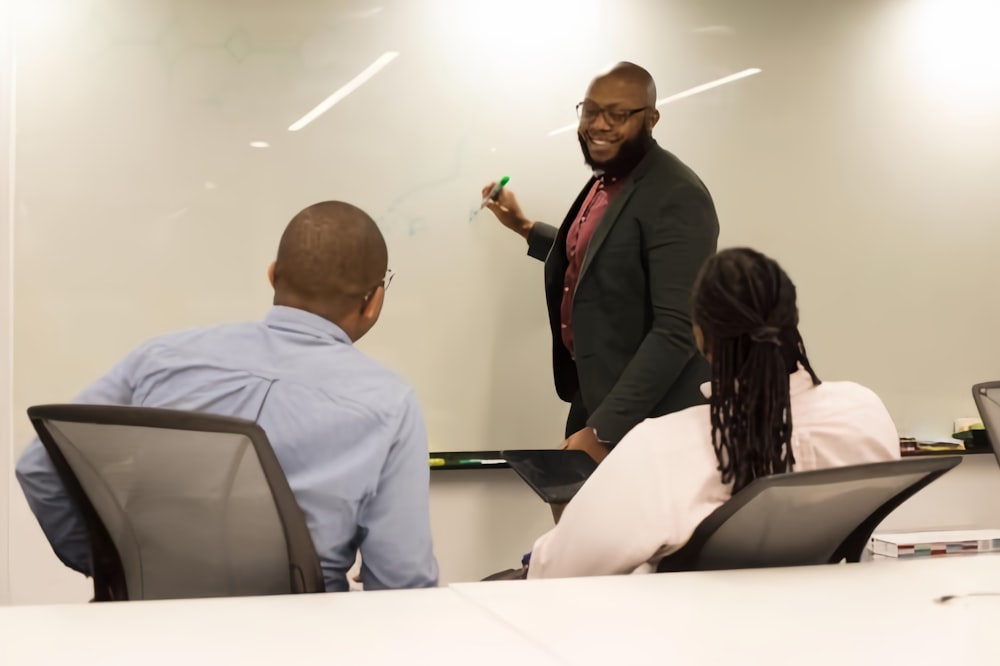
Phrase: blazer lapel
[614,210]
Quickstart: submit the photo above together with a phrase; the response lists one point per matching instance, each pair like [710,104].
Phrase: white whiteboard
[141,207]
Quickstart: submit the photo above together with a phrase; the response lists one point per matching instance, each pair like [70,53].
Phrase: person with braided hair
[767,413]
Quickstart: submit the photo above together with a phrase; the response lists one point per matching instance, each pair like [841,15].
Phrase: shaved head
[330,257]
[630,74]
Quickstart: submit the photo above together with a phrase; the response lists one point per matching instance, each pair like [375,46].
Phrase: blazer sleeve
[540,240]
[677,240]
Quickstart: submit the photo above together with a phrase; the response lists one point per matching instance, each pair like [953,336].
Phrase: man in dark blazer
[620,269]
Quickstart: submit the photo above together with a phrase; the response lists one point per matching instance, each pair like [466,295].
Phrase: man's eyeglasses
[386,281]
[588,113]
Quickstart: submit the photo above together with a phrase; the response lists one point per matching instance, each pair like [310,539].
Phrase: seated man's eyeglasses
[386,281]
[588,112]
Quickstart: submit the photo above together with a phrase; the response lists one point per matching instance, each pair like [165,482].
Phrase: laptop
[987,396]
[554,474]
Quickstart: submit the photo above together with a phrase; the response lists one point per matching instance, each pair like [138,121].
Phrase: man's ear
[654,117]
[361,321]
[372,308]
[270,274]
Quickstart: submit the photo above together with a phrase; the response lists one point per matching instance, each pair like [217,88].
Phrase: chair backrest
[987,397]
[179,504]
[802,518]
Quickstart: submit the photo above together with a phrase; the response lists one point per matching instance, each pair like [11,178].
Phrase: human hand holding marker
[503,203]
[494,191]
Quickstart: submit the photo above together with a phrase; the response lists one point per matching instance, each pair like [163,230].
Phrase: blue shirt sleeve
[56,514]
[396,549]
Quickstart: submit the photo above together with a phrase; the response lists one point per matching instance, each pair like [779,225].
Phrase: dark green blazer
[635,351]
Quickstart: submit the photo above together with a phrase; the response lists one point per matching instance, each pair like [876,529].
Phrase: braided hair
[744,304]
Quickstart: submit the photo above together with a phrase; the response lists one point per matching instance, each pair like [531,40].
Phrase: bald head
[630,75]
[330,257]
[617,117]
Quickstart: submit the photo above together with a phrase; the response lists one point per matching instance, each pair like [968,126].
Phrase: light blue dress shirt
[348,433]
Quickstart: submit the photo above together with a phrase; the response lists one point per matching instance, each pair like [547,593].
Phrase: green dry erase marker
[495,192]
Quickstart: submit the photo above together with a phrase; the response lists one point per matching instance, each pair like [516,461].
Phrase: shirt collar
[605,179]
[284,318]
[798,382]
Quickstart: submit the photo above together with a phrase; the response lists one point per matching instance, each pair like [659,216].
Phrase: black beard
[629,154]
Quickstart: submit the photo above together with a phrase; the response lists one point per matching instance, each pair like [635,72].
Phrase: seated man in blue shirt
[348,433]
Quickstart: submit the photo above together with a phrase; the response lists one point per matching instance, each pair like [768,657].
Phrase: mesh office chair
[179,504]
[802,518]
[987,397]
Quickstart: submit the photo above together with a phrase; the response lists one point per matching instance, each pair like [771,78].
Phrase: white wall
[6,287]
[864,157]
[861,157]
[483,521]
[967,497]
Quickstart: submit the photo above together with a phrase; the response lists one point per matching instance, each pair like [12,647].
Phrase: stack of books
[931,544]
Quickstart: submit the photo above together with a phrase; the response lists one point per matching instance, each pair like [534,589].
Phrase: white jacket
[646,498]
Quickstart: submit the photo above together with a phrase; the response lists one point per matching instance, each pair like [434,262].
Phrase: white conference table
[435,626]
[875,612]
[868,613]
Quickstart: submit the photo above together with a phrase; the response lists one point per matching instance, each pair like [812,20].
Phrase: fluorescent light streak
[681,95]
[174,215]
[259,144]
[563,129]
[708,86]
[367,13]
[344,90]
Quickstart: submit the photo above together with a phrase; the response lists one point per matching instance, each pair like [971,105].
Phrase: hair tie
[767,334]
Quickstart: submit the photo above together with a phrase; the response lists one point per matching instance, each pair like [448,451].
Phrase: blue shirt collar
[299,321]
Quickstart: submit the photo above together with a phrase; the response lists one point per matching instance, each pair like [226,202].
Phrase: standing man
[620,269]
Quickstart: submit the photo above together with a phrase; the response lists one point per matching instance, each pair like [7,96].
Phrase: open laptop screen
[555,474]
[987,398]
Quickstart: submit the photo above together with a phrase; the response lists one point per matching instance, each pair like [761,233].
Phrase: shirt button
[565,288]
[564,325]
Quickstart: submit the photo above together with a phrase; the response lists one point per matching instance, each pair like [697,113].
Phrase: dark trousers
[576,420]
